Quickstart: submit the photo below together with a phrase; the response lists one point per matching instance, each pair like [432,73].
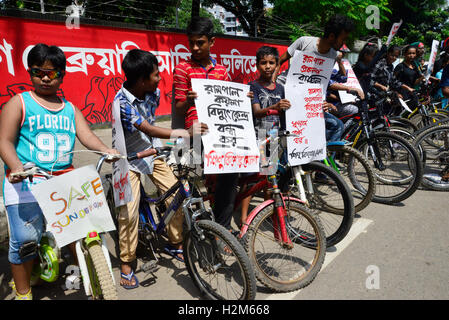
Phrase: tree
[184,16]
[249,13]
[130,11]
[307,17]
[422,20]
[195,8]
[165,13]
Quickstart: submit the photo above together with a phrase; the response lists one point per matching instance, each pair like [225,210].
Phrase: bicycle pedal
[150,266]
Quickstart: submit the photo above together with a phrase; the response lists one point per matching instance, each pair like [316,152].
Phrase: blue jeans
[334,127]
[26,223]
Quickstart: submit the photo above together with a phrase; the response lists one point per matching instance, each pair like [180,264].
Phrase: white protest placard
[393,31]
[305,119]
[230,145]
[352,82]
[120,179]
[73,205]
[309,68]
[432,58]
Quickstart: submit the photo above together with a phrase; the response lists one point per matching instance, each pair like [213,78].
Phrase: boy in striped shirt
[202,65]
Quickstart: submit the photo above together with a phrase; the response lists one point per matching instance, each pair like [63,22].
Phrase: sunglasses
[51,74]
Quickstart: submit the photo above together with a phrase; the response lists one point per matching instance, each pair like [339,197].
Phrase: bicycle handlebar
[160,152]
[29,170]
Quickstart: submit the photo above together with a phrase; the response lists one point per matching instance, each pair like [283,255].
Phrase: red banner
[94,56]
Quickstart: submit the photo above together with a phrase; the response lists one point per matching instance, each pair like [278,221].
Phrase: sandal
[174,252]
[129,277]
[26,296]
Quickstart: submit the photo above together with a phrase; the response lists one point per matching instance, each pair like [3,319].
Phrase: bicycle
[435,141]
[396,162]
[285,240]
[91,251]
[421,116]
[213,256]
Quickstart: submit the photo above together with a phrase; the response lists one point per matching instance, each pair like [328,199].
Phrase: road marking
[357,228]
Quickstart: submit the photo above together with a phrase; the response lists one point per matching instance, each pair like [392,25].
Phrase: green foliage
[306,17]
[423,20]
[398,41]
[184,14]
[249,13]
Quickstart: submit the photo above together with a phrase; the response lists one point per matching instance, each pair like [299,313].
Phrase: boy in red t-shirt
[202,65]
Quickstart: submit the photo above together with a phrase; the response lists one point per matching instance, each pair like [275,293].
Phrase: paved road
[391,252]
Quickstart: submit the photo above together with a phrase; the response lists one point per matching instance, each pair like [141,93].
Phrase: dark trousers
[225,193]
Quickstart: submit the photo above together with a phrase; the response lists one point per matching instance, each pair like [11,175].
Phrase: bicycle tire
[422,121]
[101,274]
[436,161]
[267,267]
[408,182]
[212,256]
[403,123]
[332,201]
[361,177]
[410,137]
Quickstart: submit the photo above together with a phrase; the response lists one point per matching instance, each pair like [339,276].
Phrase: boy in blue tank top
[37,126]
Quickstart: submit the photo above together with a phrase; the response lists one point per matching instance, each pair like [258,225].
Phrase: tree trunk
[195,8]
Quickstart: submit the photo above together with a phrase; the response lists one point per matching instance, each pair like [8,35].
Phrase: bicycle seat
[336,143]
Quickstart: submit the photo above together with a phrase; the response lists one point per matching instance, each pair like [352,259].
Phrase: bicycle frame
[182,190]
[364,126]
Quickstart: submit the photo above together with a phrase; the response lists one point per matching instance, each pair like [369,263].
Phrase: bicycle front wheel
[100,277]
[435,141]
[330,197]
[218,264]
[399,168]
[357,173]
[286,268]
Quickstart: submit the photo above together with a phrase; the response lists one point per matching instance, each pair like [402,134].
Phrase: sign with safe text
[73,205]
[305,119]
[230,145]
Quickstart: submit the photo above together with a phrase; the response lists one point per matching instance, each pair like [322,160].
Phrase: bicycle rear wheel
[331,199]
[357,173]
[284,268]
[401,173]
[218,264]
